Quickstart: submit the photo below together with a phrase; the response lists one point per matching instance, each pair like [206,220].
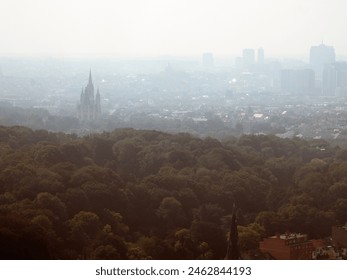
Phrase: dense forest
[136,194]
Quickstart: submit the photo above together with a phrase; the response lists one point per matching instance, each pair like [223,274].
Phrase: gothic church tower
[89,107]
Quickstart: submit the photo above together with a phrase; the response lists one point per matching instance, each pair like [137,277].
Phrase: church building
[89,108]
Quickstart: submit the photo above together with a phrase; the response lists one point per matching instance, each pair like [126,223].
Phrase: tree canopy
[139,194]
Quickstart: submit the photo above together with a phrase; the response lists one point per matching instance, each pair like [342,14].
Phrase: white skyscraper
[261,57]
[335,79]
[248,56]
[319,56]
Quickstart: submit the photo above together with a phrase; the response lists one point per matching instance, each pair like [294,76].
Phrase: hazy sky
[170,27]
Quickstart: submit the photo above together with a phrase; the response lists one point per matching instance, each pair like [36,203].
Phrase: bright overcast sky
[170,27]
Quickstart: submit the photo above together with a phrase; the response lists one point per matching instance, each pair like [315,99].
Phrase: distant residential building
[335,79]
[207,60]
[298,81]
[319,56]
[339,236]
[89,108]
[293,246]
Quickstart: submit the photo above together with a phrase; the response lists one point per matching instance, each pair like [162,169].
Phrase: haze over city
[170,27]
[173,130]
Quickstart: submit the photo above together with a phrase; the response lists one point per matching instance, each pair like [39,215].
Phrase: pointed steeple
[82,96]
[97,105]
[90,77]
[89,108]
[233,252]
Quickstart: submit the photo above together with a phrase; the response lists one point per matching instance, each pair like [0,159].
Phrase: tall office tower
[335,79]
[261,57]
[89,108]
[298,81]
[207,60]
[319,56]
[248,56]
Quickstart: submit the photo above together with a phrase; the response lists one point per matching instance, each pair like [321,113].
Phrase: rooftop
[288,236]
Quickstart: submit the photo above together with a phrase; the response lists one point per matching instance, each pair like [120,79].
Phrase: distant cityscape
[222,98]
[249,94]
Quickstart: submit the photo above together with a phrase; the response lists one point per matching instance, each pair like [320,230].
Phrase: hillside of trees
[136,194]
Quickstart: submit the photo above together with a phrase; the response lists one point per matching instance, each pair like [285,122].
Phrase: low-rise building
[293,246]
[323,250]
[339,236]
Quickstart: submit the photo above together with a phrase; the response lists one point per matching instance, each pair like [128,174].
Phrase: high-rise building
[319,56]
[335,79]
[207,60]
[261,56]
[248,56]
[89,108]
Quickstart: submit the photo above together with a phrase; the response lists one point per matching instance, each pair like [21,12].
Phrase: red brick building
[294,246]
[339,236]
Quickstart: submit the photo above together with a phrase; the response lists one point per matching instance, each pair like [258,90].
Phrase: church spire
[89,108]
[233,252]
[97,105]
[90,77]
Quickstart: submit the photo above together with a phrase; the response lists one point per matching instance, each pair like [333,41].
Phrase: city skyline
[150,28]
